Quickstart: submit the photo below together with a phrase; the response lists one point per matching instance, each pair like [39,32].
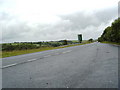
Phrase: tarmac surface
[92,65]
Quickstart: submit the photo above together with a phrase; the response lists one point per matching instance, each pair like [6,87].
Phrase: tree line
[111,33]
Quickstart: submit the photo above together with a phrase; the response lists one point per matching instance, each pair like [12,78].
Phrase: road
[92,65]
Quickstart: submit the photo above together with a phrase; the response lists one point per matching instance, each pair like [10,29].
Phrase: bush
[90,40]
[23,46]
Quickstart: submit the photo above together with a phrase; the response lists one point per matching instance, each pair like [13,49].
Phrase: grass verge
[20,52]
[111,43]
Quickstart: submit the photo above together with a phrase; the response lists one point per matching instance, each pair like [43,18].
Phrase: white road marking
[47,56]
[67,51]
[57,53]
[64,52]
[32,60]
[18,63]
[10,65]
[57,49]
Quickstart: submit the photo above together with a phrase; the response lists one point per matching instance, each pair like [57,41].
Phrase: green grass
[20,52]
[111,43]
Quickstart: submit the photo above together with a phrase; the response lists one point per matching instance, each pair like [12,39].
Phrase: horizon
[40,41]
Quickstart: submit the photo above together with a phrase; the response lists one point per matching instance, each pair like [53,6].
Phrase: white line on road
[47,56]
[57,49]
[57,53]
[9,65]
[18,63]
[32,60]
[67,51]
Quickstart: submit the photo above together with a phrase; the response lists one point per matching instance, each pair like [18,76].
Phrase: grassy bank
[111,43]
[20,52]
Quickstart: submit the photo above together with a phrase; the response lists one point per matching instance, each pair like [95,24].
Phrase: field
[25,48]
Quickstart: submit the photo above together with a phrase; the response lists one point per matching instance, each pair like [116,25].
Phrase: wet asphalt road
[86,66]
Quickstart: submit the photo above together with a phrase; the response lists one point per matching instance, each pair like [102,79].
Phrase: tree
[111,33]
[65,42]
[90,40]
[116,30]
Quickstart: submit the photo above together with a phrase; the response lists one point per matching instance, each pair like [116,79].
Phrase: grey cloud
[12,28]
[81,20]
[15,32]
[119,9]
[90,25]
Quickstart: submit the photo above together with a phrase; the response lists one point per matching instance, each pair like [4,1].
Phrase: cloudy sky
[44,20]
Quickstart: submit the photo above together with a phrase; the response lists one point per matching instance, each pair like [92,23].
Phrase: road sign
[80,38]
